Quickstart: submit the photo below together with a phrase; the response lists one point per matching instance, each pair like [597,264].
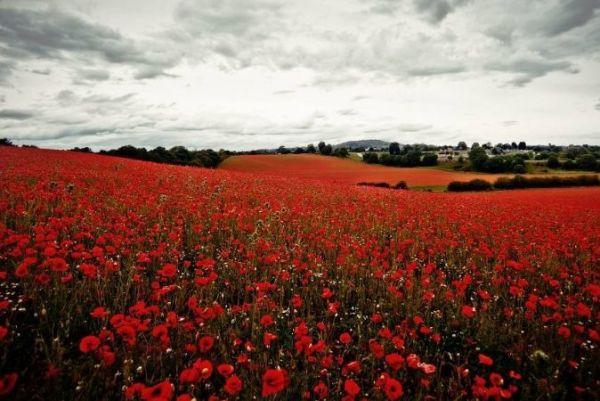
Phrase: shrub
[473,185]
[374,184]
[401,185]
[553,162]
[519,169]
[519,182]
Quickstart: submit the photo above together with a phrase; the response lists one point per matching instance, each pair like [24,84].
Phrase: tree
[586,162]
[413,158]
[430,159]
[462,145]
[394,148]
[371,158]
[475,145]
[283,150]
[519,169]
[478,158]
[6,142]
[514,145]
[341,152]
[321,146]
[553,162]
[522,145]
[311,149]
[326,150]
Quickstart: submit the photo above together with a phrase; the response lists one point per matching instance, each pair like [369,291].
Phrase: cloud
[57,35]
[567,15]
[93,75]
[435,11]
[597,106]
[527,69]
[8,114]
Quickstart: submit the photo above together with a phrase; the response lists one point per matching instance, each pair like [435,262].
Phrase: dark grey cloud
[42,71]
[75,132]
[228,17]
[93,75]
[54,34]
[436,70]
[569,14]
[435,11]
[6,68]
[527,69]
[8,114]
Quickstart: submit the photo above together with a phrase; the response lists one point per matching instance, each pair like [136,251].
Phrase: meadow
[123,279]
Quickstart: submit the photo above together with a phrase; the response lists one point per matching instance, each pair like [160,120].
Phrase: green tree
[478,158]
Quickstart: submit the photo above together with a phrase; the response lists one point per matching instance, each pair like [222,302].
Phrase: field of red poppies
[129,280]
[346,171]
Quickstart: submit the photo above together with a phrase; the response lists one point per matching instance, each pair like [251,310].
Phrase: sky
[247,74]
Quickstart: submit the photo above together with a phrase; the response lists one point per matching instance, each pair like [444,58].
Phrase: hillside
[364,143]
[344,170]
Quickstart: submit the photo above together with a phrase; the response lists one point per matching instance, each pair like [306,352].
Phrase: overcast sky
[243,74]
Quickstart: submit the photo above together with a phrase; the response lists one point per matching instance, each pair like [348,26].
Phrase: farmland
[346,171]
[123,279]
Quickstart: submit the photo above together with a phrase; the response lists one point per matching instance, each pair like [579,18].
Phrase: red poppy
[345,338]
[274,381]
[485,360]
[233,385]
[162,391]
[204,367]
[468,311]
[89,343]
[7,383]
[205,343]
[225,370]
[351,387]
[394,361]
[393,389]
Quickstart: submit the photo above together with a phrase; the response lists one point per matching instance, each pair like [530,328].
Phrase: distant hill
[364,143]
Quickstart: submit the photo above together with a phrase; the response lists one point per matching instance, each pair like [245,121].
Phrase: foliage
[519,181]
[473,185]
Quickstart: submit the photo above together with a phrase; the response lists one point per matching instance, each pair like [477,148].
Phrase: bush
[429,159]
[401,185]
[553,162]
[371,158]
[519,182]
[519,169]
[374,184]
[473,185]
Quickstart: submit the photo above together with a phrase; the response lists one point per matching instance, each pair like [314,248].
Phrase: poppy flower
[162,391]
[89,344]
[225,370]
[233,385]
[274,381]
[485,360]
[203,367]
[351,387]
[205,343]
[394,361]
[393,389]
[321,391]
[345,338]
[468,311]
[7,383]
